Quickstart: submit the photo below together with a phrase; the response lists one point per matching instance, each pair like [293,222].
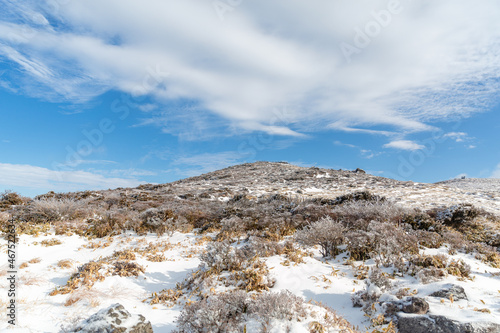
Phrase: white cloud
[202,163]
[433,61]
[496,172]
[457,136]
[29,176]
[404,145]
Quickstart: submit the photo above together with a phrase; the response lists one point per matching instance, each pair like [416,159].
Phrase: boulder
[454,291]
[440,324]
[114,319]
[416,305]
[413,305]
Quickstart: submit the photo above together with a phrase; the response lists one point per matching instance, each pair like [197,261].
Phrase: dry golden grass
[65,263]
[91,296]
[126,255]
[35,260]
[51,242]
[23,265]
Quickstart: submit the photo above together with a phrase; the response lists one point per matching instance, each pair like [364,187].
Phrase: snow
[329,282]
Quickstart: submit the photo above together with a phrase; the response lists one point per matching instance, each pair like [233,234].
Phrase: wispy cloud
[435,61]
[404,145]
[496,172]
[29,176]
[457,136]
[194,165]
[365,153]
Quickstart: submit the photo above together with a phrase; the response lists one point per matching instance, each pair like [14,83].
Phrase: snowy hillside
[261,247]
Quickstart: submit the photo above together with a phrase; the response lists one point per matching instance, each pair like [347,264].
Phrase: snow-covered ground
[328,281]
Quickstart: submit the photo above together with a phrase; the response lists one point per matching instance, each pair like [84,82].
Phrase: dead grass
[50,242]
[35,260]
[65,263]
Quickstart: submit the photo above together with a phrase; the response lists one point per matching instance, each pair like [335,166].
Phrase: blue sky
[97,95]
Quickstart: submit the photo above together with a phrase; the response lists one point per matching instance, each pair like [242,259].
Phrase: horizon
[104,95]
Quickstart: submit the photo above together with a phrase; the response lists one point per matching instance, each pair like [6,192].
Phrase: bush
[383,242]
[158,220]
[221,313]
[326,233]
[383,211]
[52,210]
[9,199]
[230,312]
[457,215]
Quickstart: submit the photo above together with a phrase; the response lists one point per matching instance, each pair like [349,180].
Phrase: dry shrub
[430,268]
[157,257]
[111,223]
[52,209]
[488,254]
[87,275]
[222,313]
[326,233]
[9,199]
[66,263]
[242,269]
[124,255]
[458,215]
[50,242]
[429,239]
[383,211]
[421,221]
[384,242]
[158,220]
[229,312]
[168,297]
[125,268]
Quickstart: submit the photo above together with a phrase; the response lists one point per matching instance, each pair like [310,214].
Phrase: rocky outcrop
[413,305]
[440,324]
[114,319]
[452,291]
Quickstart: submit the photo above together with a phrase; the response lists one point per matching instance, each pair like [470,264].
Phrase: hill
[259,247]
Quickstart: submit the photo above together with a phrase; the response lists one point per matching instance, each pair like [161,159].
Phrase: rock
[411,305]
[415,305]
[114,319]
[455,291]
[441,324]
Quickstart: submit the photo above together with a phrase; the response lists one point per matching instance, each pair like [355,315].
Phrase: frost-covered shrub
[237,311]
[421,221]
[383,242]
[457,215]
[487,254]
[282,305]
[380,279]
[246,270]
[221,313]
[326,233]
[430,268]
[358,196]
[429,239]
[430,274]
[383,211]
[51,210]
[158,220]
[221,256]
[454,239]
